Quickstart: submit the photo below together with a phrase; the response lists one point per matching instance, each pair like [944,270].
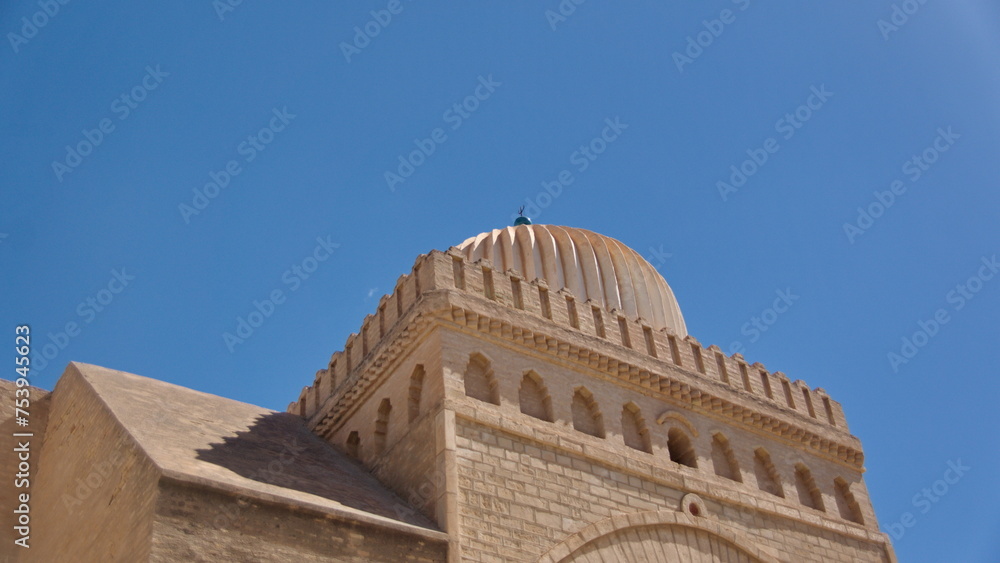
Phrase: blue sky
[115,116]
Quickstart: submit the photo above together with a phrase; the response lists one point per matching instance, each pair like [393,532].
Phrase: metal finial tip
[521,219]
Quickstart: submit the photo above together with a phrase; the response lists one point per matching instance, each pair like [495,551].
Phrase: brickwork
[519,498]
[199,525]
[552,415]
[95,487]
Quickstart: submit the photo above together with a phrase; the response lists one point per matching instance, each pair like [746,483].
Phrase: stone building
[529,395]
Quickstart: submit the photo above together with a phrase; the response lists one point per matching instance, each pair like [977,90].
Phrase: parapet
[452,271]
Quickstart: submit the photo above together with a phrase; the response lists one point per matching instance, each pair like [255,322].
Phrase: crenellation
[594,319]
[380,313]
[719,366]
[585,316]
[299,406]
[697,353]
[529,293]
[322,385]
[474,282]
[489,287]
[675,351]
[415,276]
[788,398]
[805,396]
[747,394]
[368,335]
[387,307]
[305,404]
[649,342]
[744,371]
[338,367]
[500,287]
[607,322]
[685,348]
[661,341]
[558,312]
[624,332]
[407,288]
[352,354]
[766,384]
[434,271]
[832,411]
[563,306]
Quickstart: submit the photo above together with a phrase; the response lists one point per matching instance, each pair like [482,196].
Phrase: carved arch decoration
[656,537]
[676,417]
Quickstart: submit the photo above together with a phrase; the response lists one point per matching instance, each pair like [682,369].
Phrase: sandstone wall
[95,489]
[526,483]
[519,498]
[202,525]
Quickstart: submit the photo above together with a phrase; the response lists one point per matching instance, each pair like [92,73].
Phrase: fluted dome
[590,265]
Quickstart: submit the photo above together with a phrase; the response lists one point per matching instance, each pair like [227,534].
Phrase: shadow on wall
[280,450]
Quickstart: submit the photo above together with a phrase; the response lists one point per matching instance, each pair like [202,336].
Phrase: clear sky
[165,167]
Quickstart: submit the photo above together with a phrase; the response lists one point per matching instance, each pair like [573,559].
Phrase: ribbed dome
[590,265]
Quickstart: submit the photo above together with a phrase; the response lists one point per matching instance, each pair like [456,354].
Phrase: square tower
[535,393]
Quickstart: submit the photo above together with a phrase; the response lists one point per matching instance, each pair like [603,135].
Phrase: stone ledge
[315,505]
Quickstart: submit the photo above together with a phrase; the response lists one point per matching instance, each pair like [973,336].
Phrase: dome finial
[521,219]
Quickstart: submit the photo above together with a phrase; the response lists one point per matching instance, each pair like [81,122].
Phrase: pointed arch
[416,391]
[658,537]
[534,397]
[382,426]
[680,449]
[586,414]
[768,479]
[479,381]
[634,430]
[809,494]
[724,460]
[846,503]
[674,417]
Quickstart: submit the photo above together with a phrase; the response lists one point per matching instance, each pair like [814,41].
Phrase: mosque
[531,394]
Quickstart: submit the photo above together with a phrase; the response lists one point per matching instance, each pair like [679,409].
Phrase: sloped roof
[243,449]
